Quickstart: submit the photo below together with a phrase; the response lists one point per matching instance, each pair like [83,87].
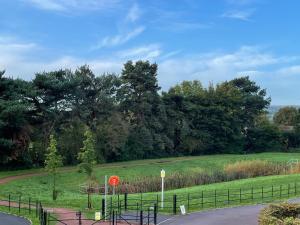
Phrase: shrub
[253,168]
[280,214]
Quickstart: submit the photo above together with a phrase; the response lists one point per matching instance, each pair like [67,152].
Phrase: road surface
[6,219]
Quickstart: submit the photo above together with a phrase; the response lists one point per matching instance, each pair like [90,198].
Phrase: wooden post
[240,195]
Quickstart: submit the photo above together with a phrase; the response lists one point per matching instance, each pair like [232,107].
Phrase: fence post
[174,204]
[155,214]
[262,193]
[228,197]
[215,198]
[295,188]
[45,217]
[202,199]
[9,202]
[36,208]
[240,195]
[29,205]
[157,199]
[103,209]
[141,217]
[19,203]
[118,203]
[125,201]
[280,190]
[148,220]
[79,218]
[252,196]
[272,191]
[141,201]
[137,209]
[113,217]
[188,202]
[288,190]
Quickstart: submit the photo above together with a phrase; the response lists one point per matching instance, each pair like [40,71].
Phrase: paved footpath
[242,215]
[6,219]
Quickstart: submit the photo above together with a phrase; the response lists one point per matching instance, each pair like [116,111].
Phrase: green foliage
[131,119]
[286,116]
[53,162]
[264,136]
[86,156]
[53,159]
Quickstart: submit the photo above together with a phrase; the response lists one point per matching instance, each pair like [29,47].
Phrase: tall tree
[52,163]
[143,109]
[15,116]
[286,116]
[87,159]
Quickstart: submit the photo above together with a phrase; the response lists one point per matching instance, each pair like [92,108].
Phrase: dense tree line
[131,118]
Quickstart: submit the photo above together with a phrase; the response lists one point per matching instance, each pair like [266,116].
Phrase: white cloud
[119,39]
[244,15]
[142,52]
[69,5]
[280,75]
[217,67]
[134,13]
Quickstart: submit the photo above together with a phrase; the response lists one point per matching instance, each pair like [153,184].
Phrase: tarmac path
[7,219]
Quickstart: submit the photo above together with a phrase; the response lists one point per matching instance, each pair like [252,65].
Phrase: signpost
[162,175]
[114,181]
[105,195]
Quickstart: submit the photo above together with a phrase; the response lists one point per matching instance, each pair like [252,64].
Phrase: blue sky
[208,40]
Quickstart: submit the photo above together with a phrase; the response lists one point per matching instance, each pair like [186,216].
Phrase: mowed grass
[69,180]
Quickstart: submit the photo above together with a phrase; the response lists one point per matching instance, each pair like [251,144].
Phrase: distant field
[69,180]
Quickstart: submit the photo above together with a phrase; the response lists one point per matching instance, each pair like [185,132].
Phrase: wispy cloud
[69,5]
[134,13]
[244,15]
[142,52]
[119,39]
[216,67]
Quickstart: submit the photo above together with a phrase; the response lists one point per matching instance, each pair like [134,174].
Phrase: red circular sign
[114,180]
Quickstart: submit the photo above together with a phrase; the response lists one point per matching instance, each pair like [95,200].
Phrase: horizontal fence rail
[143,208]
[203,199]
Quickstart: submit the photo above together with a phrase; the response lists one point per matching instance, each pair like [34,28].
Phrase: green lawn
[69,180]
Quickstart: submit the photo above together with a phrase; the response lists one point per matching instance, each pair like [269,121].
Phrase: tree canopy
[128,116]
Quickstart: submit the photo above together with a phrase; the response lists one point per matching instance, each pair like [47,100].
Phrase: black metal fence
[143,208]
[50,217]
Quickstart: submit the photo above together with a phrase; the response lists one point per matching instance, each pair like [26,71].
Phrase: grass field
[69,180]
